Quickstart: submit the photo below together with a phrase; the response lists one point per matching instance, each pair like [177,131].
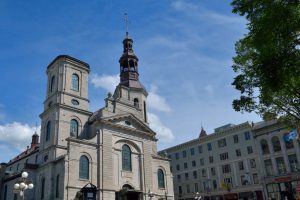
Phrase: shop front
[284,187]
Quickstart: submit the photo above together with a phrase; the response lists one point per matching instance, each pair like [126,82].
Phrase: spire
[202,133]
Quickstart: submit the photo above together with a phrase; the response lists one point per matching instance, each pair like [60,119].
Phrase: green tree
[267,60]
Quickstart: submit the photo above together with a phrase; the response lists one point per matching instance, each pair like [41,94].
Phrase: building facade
[112,150]
[279,160]
[221,165]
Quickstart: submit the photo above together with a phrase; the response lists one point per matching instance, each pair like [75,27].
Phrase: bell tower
[66,108]
[130,95]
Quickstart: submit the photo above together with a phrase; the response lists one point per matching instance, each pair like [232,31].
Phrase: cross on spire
[126,23]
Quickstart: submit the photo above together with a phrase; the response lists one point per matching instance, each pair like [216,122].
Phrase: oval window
[75,102]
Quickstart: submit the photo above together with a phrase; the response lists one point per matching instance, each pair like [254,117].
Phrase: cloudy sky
[185,48]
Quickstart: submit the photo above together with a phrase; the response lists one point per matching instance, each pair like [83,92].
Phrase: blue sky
[185,48]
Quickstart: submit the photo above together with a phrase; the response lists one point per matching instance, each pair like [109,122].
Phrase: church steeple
[129,75]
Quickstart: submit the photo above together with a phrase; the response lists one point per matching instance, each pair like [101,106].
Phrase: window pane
[74,128]
[126,158]
[84,168]
[161,179]
[75,82]
[48,131]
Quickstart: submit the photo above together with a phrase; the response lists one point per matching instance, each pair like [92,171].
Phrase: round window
[75,102]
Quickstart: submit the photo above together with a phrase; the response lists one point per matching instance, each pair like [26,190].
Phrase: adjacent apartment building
[279,160]
[221,165]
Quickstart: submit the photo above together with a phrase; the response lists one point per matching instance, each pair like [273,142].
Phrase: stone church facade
[112,149]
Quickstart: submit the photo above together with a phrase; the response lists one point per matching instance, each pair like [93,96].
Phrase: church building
[110,154]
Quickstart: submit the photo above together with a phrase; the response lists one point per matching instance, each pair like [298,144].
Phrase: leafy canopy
[267,60]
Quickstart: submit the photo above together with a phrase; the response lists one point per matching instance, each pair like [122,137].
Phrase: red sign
[298,188]
[283,179]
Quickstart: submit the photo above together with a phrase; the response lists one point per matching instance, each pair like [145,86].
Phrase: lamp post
[23,184]
[198,197]
[150,194]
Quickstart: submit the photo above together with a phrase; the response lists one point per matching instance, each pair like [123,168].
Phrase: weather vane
[126,23]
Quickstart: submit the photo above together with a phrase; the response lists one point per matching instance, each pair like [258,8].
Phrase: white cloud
[156,101]
[16,135]
[197,12]
[164,133]
[107,82]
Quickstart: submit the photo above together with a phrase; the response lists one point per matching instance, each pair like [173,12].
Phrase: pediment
[128,122]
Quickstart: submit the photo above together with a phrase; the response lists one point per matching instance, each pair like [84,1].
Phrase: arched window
[136,102]
[74,128]
[84,167]
[75,82]
[276,144]
[52,83]
[161,178]
[126,158]
[288,144]
[48,130]
[264,147]
[43,188]
[57,187]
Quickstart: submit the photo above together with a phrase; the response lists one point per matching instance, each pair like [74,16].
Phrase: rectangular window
[241,165]
[183,154]
[196,187]
[236,139]
[195,175]
[209,146]
[179,189]
[178,177]
[252,163]
[200,149]
[224,156]
[238,152]
[185,165]
[186,176]
[188,189]
[269,167]
[203,172]
[201,161]
[249,149]
[226,168]
[177,156]
[280,165]
[293,163]
[194,163]
[213,171]
[244,180]
[228,181]
[247,135]
[211,159]
[215,184]
[222,142]
[255,179]
[192,151]
[178,167]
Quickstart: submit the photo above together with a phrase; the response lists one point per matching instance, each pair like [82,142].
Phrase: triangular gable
[128,121]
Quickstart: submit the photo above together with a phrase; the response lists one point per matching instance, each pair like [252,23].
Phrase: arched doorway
[128,193]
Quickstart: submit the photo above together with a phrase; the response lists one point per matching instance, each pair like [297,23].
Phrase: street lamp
[23,184]
[150,194]
[198,197]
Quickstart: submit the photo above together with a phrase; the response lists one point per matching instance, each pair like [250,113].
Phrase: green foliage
[267,60]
